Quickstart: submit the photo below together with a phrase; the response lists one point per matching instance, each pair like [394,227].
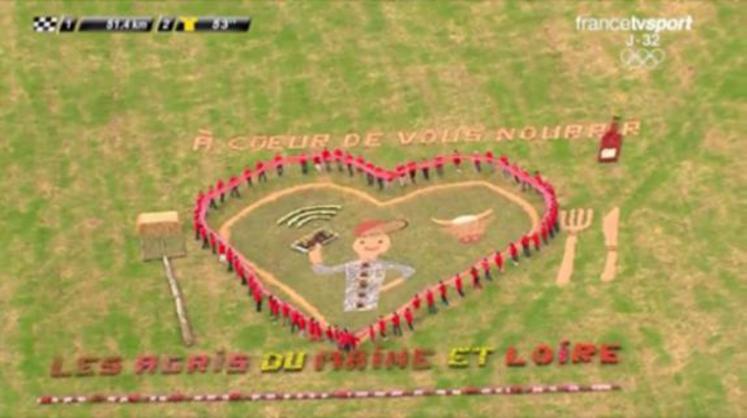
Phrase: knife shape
[610,226]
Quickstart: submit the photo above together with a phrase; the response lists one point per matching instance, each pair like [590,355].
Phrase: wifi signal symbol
[301,216]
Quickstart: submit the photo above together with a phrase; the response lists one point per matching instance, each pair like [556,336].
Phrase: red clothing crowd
[283,312]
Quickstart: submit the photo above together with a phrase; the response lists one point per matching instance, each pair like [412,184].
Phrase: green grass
[97,128]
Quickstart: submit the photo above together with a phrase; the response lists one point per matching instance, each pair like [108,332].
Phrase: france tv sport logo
[45,24]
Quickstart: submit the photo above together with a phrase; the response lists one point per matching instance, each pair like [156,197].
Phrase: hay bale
[160,235]
[152,224]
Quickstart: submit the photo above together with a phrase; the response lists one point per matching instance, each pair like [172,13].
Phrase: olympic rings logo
[642,58]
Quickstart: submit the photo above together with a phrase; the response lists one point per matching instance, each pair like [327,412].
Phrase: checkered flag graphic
[45,23]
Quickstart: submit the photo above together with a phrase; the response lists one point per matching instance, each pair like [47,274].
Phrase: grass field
[97,128]
[423,245]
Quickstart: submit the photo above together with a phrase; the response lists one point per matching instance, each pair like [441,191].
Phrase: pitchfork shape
[574,222]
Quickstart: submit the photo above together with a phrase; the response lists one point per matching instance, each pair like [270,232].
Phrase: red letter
[542,355]
[172,365]
[238,363]
[608,353]
[357,360]
[337,360]
[583,352]
[56,370]
[145,364]
[197,363]
[397,359]
[320,359]
[84,366]
[377,358]
[513,359]
[111,366]
[419,360]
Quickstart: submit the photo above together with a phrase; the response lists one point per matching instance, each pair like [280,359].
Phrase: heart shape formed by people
[334,261]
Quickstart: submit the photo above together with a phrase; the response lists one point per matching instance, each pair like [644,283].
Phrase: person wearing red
[538,178]
[317,162]
[204,237]
[258,298]
[517,173]
[213,243]
[319,331]
[330,333]
[409,318]
[490,161]
[293,320]
[248,177]
[523,179]
[430,300]
[440,165]
[425,168]
[477,161]
[326,156]
[555,223]
[302,324]
[514,253]
[370,174]
[349,340]
[401,174]
[543,233]
[503,162]
[371,333]
[274,307]
[196,218]
[221,249]
[229,258]
[382,327]
[485,264]
[312,329]
[459,284]
[260,169]
[349,163]
[197,227]
[548,225]
[456,159]
[316,330]
[380,176]
[286,312]
[303,160]
[233,183]
[318,335]
[271,303]
[416,301]
[252,286]
[536,241]
[219,189]
[442,290]
[475,277]
[396,324]
[412,170]
[525,246]
[199,200]
[240,272]
[341,340]
[360,162]
[278,162]
[338,158]
[211,193]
